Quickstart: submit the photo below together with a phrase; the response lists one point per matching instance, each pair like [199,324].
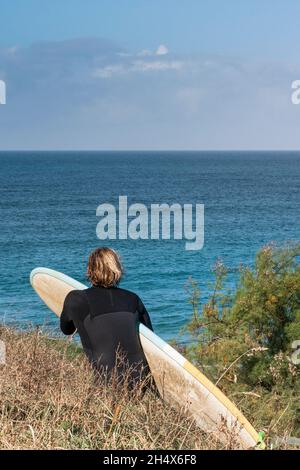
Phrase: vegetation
[49,400]
[240,339]
[243,339]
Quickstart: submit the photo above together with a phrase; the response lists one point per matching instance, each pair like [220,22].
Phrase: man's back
[107,321]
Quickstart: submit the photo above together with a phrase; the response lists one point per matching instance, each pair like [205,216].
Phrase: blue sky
[130,74]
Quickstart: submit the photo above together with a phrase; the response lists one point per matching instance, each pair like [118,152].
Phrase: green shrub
[242,339]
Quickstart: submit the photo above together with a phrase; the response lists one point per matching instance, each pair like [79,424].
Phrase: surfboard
[179,383]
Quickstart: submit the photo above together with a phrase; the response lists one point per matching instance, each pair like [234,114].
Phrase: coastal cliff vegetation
[245,339]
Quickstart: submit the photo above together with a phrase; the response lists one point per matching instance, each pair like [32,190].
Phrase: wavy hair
[104,268]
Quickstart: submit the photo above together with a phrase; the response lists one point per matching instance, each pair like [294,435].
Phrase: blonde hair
[104,268]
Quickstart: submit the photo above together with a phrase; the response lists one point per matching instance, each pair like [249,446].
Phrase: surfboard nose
[34,272]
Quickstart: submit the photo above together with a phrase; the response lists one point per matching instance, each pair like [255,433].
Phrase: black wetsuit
[107,321]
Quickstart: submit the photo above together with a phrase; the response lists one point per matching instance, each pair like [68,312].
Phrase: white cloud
[137,66]
[162,50]
[145,66]
[182,100]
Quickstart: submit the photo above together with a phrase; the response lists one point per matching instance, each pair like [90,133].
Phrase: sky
[149,74]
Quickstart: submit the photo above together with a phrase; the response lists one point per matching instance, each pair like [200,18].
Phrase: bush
[243,339]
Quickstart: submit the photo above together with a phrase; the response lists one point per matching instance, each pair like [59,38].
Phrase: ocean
[48,218]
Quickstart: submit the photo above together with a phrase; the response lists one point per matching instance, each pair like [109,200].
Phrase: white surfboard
[178,381]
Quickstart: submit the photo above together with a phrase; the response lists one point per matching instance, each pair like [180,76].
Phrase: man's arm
[144,315]
[66,319]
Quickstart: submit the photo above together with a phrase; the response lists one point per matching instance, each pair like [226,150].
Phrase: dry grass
[49,400]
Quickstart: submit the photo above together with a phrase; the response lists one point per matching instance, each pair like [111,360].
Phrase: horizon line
[149,150]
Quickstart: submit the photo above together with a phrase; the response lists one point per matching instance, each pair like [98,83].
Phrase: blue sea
[48,218]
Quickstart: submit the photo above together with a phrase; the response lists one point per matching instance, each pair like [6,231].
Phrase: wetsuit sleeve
[72,306]
[144,315]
